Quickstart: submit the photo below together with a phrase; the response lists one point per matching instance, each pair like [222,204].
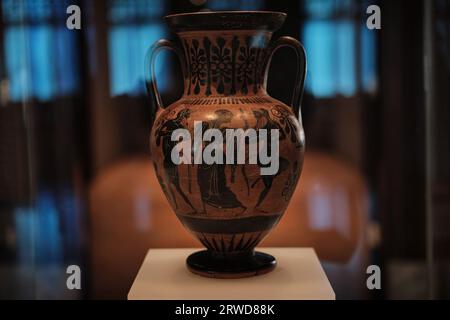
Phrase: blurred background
[77,186]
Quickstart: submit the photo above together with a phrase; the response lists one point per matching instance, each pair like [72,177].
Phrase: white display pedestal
[298,276]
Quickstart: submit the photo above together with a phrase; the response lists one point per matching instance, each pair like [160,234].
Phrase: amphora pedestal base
[212,265]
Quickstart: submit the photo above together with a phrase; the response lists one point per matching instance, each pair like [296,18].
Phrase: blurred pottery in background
[230,208]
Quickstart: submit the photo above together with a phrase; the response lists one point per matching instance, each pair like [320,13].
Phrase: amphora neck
[225,63]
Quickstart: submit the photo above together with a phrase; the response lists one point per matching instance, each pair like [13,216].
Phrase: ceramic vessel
[230,208]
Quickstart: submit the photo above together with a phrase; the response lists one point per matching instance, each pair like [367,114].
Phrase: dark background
[76,184]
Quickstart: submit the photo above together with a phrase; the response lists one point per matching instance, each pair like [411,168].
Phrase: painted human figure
[242,166]
[211,177]
[263,121]
[163,136]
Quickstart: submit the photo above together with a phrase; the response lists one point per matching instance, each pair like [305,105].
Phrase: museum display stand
[298,276]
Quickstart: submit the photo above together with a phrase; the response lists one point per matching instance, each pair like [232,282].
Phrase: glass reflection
[133,26]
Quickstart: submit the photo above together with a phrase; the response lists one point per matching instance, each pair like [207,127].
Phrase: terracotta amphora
[229,206]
